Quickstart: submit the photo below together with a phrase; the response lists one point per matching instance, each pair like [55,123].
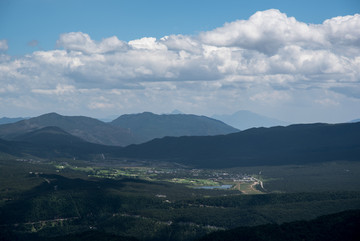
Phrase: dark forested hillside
[295,144]
[50,142]
[342,226]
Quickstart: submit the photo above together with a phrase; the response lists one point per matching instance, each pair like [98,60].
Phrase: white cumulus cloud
[266,32]
[78,41]
[147,44]
[269,57]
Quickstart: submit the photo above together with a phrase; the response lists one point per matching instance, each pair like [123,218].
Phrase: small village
[210,179]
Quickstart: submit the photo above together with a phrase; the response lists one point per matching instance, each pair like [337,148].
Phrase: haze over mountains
[7,120]
[294,144]
[188,139]
[147,126]
[245,119]
[89,129]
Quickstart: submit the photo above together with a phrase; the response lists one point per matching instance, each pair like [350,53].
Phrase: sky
[297,61]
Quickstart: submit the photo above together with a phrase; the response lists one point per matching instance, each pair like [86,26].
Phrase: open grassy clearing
[15,175]
[196,178]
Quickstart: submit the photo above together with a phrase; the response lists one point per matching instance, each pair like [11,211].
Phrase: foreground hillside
[336,227]
[67,199]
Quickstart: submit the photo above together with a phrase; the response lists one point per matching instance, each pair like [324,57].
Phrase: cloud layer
[268,59]
[3,45]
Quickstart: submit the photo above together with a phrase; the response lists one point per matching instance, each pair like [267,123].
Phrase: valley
[56,184]
[42,199]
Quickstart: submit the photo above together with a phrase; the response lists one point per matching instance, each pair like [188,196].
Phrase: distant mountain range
[147,126]
[245,119]
[6,120]
[89,129]
[295,144]
[125,130]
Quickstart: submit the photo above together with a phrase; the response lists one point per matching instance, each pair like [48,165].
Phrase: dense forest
[335,227]
[77,206]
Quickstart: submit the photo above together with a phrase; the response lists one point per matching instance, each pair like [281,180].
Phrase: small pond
[215,187]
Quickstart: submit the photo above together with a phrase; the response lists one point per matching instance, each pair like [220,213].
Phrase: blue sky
[297,61]
[42,21]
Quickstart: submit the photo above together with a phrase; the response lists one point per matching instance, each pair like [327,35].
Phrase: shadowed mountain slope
[147,126]
[50,135]
[295,144]
[50,142]
[86,128]
[342,226]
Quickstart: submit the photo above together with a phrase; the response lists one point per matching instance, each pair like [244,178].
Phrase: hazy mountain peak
[54,115]
[147,113]
[51,114]
[48,116]
[146,126]
[245,119]
[176,111]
